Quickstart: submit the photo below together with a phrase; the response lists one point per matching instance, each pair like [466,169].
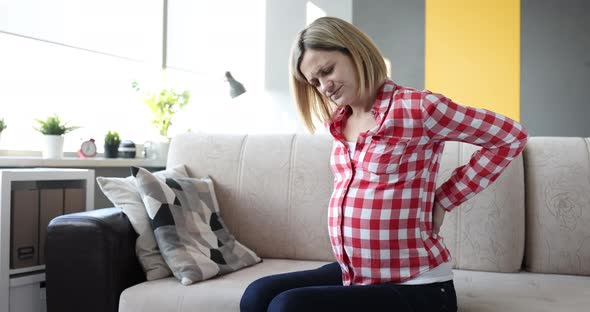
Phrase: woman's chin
[339,102]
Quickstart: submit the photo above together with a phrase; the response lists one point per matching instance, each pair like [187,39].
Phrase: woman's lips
[334,96]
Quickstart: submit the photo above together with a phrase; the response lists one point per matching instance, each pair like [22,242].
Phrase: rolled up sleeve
[501,139]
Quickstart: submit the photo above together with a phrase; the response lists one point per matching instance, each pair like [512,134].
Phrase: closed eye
[323,72]
[327,71]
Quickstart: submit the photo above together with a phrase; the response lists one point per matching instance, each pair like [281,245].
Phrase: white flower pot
[53,146]
[157,149]
[162,150]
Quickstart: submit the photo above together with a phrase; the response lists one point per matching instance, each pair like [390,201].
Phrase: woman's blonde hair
[333,34]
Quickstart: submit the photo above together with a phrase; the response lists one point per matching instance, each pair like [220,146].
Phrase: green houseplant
[53,125]
[53,130]
[164,105]
[111,144]
[2,126]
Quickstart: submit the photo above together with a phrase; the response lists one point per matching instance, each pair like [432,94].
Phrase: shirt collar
[379,108]
[384,97]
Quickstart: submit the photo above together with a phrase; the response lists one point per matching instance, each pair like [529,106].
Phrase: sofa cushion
[476,291]
[523,291]
[192,236]
[123,193]
[222,293]
[558,205]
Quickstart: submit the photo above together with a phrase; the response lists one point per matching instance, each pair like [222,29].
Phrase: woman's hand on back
[438,215]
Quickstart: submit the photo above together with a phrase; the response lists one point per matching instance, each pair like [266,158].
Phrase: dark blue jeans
[321,290]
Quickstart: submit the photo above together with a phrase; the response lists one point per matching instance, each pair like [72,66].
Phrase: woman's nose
[326,86]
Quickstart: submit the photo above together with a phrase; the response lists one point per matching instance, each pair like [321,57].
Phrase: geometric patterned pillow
[191,235]
[123,193]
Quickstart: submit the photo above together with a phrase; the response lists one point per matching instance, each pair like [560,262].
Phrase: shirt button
[373,112]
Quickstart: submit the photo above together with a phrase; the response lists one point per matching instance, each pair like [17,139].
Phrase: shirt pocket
[384,154]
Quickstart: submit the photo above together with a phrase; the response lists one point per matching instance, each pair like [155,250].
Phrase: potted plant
[164,105]
[53,131]
[111,144]
[2,126]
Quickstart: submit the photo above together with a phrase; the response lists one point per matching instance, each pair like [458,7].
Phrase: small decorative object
[150,150]
[53,131]
[127,149]
[87,149]
[235,87]
[111,144]
[156,149]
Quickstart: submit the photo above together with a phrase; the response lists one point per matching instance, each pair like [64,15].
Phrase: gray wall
[555,67]
[397,27]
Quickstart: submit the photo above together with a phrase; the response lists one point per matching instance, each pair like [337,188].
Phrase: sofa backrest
[486,233]
[273,191]
[558,205]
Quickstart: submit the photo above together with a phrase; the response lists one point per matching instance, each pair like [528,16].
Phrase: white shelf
[33,161]
[26,270]
[28,293]
[18,285]
[27,279]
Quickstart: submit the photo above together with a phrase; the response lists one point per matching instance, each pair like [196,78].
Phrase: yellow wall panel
[473,53]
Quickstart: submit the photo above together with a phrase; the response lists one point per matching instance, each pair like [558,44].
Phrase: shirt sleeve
[500,137]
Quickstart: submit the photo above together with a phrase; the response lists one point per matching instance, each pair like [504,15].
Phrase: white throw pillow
[123,193]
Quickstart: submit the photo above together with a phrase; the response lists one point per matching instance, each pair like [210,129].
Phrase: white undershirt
[351,148]
[442,273]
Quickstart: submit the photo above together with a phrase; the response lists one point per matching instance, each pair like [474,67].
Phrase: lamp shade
[235,87]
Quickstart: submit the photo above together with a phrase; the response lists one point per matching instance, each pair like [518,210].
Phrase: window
[86,89]
[78,60]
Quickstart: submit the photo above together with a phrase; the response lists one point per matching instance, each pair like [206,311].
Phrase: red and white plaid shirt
[381,207]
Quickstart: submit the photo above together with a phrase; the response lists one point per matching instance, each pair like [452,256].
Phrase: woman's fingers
[438,215]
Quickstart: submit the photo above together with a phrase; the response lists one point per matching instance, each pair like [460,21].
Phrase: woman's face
[333,74]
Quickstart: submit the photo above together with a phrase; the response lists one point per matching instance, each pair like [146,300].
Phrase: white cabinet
[27,293]
[29,198]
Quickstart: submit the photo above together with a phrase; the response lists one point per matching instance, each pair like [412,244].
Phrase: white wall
[258,57]
[284,19]
[213,37]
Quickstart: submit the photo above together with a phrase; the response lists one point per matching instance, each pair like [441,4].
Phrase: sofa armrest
[90,260]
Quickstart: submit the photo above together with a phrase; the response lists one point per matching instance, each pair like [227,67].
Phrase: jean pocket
[448,297]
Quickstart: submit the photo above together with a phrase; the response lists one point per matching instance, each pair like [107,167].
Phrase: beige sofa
[521,245]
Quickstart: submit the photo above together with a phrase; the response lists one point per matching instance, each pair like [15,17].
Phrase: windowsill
[36,161]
